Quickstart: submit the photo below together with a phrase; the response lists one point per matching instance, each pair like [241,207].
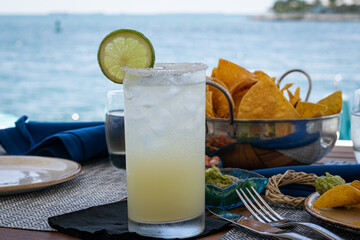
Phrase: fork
[272,218]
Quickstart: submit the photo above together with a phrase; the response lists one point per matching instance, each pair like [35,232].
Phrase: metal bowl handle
[303,72]
[228,97]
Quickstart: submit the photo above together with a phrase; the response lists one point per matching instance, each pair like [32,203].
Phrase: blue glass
[227,198]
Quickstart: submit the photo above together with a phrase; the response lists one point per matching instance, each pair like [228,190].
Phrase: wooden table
[343,151]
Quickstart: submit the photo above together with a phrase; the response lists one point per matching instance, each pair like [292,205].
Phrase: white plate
[20,174]
[339,217]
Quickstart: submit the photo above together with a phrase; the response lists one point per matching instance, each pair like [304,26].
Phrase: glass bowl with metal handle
[260,143]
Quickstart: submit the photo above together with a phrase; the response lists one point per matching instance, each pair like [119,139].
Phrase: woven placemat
[98,183]
[296,215]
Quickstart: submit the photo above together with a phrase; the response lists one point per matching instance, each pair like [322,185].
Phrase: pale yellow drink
[169,189]
[165,148]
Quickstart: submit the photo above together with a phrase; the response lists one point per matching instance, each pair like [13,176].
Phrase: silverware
[255,226]
[272,218]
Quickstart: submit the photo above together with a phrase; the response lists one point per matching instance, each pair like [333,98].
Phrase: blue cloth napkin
[347,172]
[76,141]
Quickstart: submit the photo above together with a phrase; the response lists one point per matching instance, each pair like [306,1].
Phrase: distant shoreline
[308,17]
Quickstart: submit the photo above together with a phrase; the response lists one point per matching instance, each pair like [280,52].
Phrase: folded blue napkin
[347,172]
[76,141]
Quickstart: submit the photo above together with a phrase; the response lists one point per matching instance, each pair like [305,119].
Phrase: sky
[134,6]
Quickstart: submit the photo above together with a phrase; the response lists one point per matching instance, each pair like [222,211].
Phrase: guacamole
[213,176]
[324,183]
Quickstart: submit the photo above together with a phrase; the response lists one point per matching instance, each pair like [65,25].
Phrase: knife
[255,226]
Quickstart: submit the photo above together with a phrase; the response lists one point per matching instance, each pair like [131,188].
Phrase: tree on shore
[316,6]
[332,4]
[291,6]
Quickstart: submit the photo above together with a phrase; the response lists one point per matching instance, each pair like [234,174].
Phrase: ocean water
[49,69]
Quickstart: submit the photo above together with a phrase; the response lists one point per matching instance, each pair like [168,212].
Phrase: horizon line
[134,14]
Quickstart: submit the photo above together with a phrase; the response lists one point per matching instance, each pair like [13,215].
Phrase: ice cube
[160,121]
[193,103]
[148,139]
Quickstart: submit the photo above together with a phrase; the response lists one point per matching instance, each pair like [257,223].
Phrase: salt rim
[166,68]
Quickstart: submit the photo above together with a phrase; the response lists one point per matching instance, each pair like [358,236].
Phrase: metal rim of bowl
[275,120]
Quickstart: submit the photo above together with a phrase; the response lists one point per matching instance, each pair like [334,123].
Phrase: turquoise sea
[49,70]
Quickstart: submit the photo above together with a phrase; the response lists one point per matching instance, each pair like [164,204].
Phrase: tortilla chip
[338,196]
[213,73]
[219,101]
[231,73]
[333,102]
[286,87]
[260,75]
[290,94]
[239,92]
[355,184]
[310,110]
[209,106]
[265,101]
[295,98]
[237,98]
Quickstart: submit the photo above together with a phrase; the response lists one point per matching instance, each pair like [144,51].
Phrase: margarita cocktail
[165,149]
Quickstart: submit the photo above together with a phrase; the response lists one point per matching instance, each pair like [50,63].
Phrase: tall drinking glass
[165,149]
[114,128]
[355,125]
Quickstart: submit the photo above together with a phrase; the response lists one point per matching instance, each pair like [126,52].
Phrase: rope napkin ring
[273,194]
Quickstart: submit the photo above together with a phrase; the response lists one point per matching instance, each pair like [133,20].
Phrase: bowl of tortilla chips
[252,124]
